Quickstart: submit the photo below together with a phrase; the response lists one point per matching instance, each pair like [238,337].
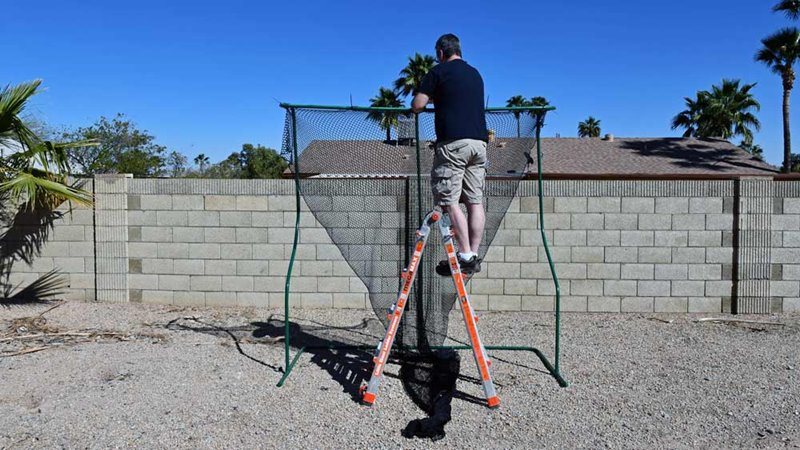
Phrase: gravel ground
[637,381]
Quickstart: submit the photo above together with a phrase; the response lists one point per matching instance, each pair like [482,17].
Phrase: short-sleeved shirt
[456,89]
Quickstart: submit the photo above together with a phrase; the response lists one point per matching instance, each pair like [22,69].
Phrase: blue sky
[205,77]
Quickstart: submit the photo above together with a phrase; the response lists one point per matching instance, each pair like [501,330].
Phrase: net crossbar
[365,175]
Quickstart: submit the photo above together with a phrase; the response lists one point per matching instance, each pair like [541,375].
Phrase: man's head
[447,46]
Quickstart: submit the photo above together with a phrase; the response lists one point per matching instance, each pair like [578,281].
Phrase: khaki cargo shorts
[459,172]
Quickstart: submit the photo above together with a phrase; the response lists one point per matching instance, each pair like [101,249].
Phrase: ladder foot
[368,399]
[493,402]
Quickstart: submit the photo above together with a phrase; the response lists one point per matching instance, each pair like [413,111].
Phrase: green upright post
[287,367]
[539,121]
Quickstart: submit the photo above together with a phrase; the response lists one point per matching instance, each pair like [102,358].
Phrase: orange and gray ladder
[395,313]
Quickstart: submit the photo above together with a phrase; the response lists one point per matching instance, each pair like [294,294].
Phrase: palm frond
[36,190]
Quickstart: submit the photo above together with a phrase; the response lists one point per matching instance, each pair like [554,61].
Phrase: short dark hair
[449,45]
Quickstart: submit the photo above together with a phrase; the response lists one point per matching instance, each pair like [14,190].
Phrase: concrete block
[516,254]
[639,205]
[548,287]
[570,271]
[316,300]
[251,235]
[187,234]
[705,272]
[520,221]
[623,288]
[236,219]
[718,288]
[722,255]
[621,221]
[592,221]
[654,254]
[672,271]
[786,222]
[246,267]
[157,234]
[784,288]
[570,204]
[529,204]
[603,271]
[134,233]
[574,304]
[505,302]
[554,221]
[506,237]
[205,283]
[271,284]
[252,203]
[157,297]
[317,268]
[155,202]
[604,204]
[237,251]
[705,238]
[719,222]
[221,298]
[585,287]
[172,250]
[688,288]
[267,219]
[204,251]
[672,205]
[559,254]
[637,271]
[142,217]
[537,303]
[304,284]
[621,254]
[653,288]
[671,238]
[188,202]
[791,206]
[70,264]
[156,266]
[587,254]
[81,280]
[203,218]
[237,283]
[308,252]
[671,304]
[705,205]
[688,222]
[340,236]
[356,285]
[655,221]
[333,284]
[189,266]
[519,287]
[791,305]
[140,281]
[487,286]
[791,239]
[257,299]
[307,220]
[637,304]
[220,267]
[603,238]
[636,238]
[134,265]
[189,298]
[220,202]
[535,270]
[69,233]
[320,236]
[503,270]
[603,304]
[705,305]
[569,238]
[349,300]
[688,255]
[172,218]
[268,251]
[134,202]
[173,282]
[220,235]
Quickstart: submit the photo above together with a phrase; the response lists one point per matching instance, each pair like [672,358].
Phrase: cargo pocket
[440,182]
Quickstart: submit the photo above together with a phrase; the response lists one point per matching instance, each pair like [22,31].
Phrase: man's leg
[463,230]
[477,221]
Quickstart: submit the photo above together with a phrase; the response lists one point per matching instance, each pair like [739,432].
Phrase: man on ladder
[457,90]
[459,166]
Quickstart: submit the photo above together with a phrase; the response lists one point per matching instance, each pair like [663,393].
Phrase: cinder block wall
[630,246]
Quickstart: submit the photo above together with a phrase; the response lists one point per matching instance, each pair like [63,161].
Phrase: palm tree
[411,76]
[589,128]
[780,52]
[36,171]
[386,98]
[515,102]
[724,112]
[753,149]
[539,101]
[789,7]
[202,162]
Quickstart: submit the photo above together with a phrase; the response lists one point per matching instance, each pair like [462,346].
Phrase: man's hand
[420,101]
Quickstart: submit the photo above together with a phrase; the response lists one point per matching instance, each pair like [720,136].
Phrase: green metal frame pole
[539,121]
[288,366]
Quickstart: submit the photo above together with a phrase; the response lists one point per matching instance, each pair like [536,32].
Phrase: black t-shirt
[456,89]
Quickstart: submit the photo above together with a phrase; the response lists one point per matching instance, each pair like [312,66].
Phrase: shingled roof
[561,156]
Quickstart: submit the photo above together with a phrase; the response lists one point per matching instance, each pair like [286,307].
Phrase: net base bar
[512,348]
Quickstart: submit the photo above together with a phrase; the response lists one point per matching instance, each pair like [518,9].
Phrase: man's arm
[420,101]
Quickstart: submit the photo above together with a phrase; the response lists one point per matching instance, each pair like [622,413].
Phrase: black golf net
[365,175]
